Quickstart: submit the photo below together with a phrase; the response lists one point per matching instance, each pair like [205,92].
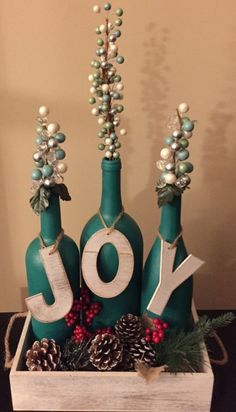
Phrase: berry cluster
[91,312]
[73,315]
[157,334]
[107,330]
[81,334]
[106,83]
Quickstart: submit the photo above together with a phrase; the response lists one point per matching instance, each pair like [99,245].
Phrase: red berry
[165,325]
[148,338]
[156,339]
[147,331]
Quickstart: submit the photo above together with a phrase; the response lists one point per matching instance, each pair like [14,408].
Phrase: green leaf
[62,191]
[39,201]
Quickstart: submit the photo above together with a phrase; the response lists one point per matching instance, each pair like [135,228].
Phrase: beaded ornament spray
[106,83]
[175,170]
[47,176]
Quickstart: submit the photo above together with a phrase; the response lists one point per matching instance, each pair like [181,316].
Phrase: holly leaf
[62,191]
[39,201]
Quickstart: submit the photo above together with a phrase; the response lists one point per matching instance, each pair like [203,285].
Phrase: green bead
[182,154]
[95,83]
[40,163]
[116,96]
[107,6]
[188,126]
[99,93]
[39,140]
[120,108]
[60,154]
[96,75]
[36,174]
[117,145]
[119,12]
[100,134]
[184,143]
[60,137]
[100,42]
[97,64]
[118,22]
[117,78]
[92,100]
[120,59]
[111,79]
[39,129]
[97,30]
[92,63]
[185,119]
[47,170]
[101,146]
[113,136]
[103,130]
[109,125]
[185,167]
[105,107]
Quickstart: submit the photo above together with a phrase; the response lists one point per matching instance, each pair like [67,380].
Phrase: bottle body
[107,262]
[177,312]
[36,275]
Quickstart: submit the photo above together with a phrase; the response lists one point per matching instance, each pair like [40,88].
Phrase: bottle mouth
[111,165]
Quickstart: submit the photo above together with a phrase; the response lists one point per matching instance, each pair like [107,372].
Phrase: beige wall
[175,51]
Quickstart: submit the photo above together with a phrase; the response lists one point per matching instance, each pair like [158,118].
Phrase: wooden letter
[61,289]
[89,263]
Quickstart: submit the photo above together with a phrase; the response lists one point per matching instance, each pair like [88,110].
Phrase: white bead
[116,155]
[105,87]
[52,142]
[113,47]
[103,28]
[183,108]
[109,25]
[160,165]
[108,141]
[108,154]
[170,178]
[95,111]
[53,127]
[90,78]
[96,9]
[165,153]
[187,135]
[92,90]
[101,120]
[43,111]
[61,167]
[123,132]
[120,86]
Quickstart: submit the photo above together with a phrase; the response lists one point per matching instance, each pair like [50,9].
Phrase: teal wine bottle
[36,276]
[107,262]
[177,312]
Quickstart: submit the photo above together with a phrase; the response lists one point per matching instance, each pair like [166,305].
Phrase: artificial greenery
[62,191]
[166,194]
[75,356]
[40,200]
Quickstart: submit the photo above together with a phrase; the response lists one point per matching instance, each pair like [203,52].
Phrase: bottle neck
[111,203]
[51,220]
[170,225]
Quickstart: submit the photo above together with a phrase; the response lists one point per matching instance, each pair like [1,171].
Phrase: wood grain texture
[108,391]
[89,263]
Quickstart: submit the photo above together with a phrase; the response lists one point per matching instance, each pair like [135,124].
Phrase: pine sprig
[75,355]
[208,326]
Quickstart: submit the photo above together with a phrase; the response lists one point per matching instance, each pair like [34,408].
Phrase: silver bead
[49,182]
[175,146]
[116,123]
[52,142]
[112,148]
[177,134]
[112,38]
[183,181]
[37,156]
[170,167]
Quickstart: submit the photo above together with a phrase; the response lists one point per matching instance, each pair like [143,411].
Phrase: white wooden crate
[107,391]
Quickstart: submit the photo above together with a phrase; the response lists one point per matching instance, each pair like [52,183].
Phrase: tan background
[175,51]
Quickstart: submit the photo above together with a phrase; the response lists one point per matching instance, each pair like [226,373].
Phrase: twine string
[112,227]
[175,242]
[225,356]
[8,357]
[56,244]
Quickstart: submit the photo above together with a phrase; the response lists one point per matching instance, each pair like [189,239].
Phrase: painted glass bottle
[107,262]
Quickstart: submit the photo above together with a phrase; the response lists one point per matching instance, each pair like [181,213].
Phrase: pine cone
[43,356]
[105,351]
[127,363]
[142,350]
[128,328]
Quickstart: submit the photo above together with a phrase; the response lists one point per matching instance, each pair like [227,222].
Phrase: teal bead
[100,42]
[185,119]
[39,140]
[101,146]
[113,136]
[39,129]
[92,100]
[40,163]
[182,154]
[60,137]
[119,12]
[120,59]
[117,78]
[109,125]
[188,126]
[60,154]
[117,33]
[185,167]
[169,140]
[47,170]
[184,143]
[118,22]
[120,108]
[36,174]
[106,98]
[107,6]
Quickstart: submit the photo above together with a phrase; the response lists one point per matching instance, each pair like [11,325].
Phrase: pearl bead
[95,111]
[112,148]
[53,128]
[175,146]
[116,155]
[113,47]
[39,129]
[120,86]
[60,154]
[92,90]
[47,170]
[120,59]
[49,182]
[188,126]
[177,134]
[187,135]
[103,28]
[183,108]
[36,174]
[170,178]
[96,9]
[61,167]
[37,156]
[43,111]
[105,87]
[108,154]
[101,120]
[91,77]
[165,153]
[60,137]
[183,155]
[108,141]
[52,142]
[123,132]
[170,167]
[160,165]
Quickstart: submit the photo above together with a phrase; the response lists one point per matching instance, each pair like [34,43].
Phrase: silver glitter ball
[183,181]
[170,167]
[177,134]
[52,142]
[175,146]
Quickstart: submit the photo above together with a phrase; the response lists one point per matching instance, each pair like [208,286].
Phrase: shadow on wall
[154,88]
